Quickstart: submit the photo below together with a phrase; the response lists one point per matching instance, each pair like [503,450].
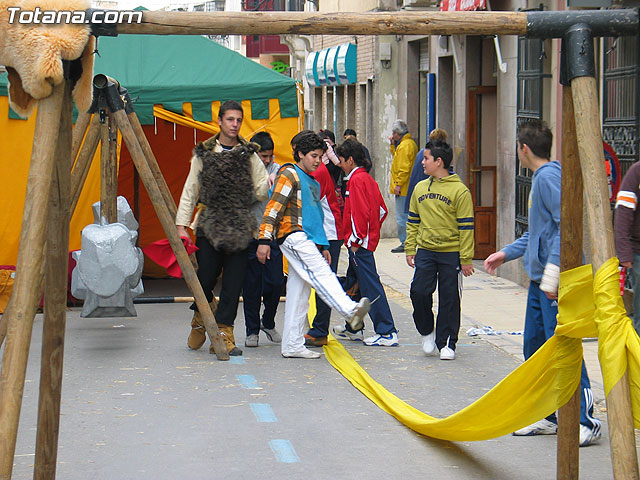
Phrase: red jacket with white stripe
[330,207]
[364,211]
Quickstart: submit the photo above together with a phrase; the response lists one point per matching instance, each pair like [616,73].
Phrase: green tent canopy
[172,70]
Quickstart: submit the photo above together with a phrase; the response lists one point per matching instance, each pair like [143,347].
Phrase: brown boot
[198,335]
[226,331]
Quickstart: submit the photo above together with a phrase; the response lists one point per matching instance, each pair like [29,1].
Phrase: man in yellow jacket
[404,151]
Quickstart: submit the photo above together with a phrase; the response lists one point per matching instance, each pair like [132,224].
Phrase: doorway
[481,165]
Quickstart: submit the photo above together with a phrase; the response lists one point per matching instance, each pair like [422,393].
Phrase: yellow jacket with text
[441,218]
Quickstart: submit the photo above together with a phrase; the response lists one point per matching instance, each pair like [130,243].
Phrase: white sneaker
[447,353]
[356,320]
[541,427]
[341,332]
[377,340]
[589,436]
[306,353]
[429,343]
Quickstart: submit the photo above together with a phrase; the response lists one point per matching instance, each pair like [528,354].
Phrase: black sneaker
[398,249]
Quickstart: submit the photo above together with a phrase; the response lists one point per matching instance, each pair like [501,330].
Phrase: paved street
[138,404]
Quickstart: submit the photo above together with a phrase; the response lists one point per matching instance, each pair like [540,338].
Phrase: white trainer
[429,343]
[341,331]
[447,353]
[356,320]
[306,353]
[589,436]
[541,427]
[390,340]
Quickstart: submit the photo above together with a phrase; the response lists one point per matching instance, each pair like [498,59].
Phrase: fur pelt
[226,189]
[33,54]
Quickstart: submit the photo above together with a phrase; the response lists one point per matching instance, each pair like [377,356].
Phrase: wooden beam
[600,225]
[79,131]
[24,299]
[108,171]
[83,164]
[333,23]
[55,306]
[571,229]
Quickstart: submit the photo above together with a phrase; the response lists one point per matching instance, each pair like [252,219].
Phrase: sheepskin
[226,189]
[33,54]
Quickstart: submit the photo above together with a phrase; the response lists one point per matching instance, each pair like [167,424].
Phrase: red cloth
[161,253]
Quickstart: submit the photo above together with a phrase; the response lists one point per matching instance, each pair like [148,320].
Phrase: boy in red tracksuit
[364,212]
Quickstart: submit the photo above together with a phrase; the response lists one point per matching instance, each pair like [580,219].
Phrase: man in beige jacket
[229,179]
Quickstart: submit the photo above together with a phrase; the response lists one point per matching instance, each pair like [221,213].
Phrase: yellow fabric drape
[540,385]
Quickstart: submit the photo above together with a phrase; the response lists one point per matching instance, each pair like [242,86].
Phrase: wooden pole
[328,23]
[600,225]
[108,171]
[55,312]
[157,173]
[83,164]
[79,131]
[24,297]
[571,226]
[168,223]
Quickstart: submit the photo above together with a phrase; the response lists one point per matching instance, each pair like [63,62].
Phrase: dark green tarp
[175,69]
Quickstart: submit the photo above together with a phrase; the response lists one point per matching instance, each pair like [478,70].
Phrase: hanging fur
[226,188]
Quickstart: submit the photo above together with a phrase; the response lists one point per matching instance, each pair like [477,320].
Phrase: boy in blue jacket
[540,249]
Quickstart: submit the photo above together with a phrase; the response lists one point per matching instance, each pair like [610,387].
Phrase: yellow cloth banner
[540,385]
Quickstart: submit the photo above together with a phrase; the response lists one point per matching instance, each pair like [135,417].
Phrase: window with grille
[620,119]
[530,97]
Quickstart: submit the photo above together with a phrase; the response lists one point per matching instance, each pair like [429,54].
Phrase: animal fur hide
[226,188]
[33,54]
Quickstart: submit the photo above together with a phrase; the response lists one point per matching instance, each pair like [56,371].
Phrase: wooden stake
[79,131]
[83,164]
[328,23]
[157,173]
[55,311]
[108,171]
[600,224]
[24,297]
[571,225]
[168,223]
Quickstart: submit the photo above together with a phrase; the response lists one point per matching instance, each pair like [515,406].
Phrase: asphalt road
[138,404]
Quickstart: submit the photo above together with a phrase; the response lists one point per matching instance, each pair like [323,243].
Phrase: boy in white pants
[294,217]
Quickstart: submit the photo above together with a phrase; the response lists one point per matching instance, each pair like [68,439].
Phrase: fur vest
[226,189]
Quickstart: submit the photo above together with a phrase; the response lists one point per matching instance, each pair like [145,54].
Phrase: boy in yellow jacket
[440,247]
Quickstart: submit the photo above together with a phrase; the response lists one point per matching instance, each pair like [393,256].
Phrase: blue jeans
[539,326]
[262,285]
[635,283]
[364,264]
[401,218]
[320,324]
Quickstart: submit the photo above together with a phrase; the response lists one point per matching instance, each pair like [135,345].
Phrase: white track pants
[308,269]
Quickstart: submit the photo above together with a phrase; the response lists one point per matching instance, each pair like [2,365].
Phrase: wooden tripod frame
[53,147]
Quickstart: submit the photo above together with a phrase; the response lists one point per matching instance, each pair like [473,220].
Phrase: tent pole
[571,229]
[579,43]
[24,297]
[168,224]
[79,131]
[155,168]
[55,302]
[108,169]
